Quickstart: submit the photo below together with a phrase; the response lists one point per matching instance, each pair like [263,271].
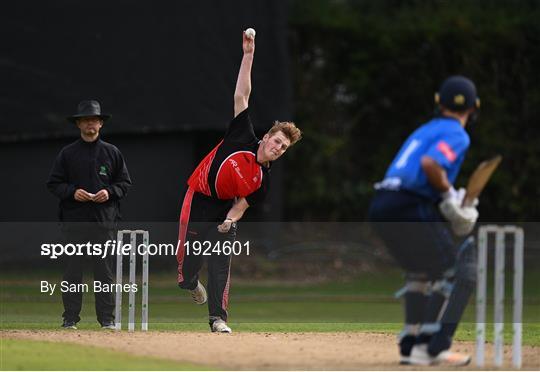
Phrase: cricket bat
[479,179]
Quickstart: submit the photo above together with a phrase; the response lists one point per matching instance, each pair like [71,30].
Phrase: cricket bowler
[232,177]
[419,215]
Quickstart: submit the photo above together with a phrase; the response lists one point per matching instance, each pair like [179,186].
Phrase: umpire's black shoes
[69,324]
[108,325]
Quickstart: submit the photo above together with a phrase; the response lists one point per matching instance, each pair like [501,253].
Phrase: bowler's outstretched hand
[248,44]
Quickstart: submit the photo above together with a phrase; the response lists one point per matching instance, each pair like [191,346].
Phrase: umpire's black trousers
[102,269]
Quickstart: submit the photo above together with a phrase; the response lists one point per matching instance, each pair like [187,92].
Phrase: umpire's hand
[83,196]
[101,196]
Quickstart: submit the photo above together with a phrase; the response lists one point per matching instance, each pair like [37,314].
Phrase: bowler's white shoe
[221,327]
[420,356]
[199,294]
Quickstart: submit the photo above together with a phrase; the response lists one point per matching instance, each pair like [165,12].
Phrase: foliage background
[364,77]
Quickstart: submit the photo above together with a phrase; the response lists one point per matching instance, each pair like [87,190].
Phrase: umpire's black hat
[88,108]
[457,93]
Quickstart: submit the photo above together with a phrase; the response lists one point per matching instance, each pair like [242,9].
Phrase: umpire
[415,211]
[90,177]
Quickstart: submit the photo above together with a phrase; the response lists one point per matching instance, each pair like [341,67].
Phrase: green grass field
[365,304]
[40,355]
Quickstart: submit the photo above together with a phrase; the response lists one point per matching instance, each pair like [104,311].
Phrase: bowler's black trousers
[199,219]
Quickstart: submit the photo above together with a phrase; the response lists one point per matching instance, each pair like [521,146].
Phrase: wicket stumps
[132,279]
[501,232]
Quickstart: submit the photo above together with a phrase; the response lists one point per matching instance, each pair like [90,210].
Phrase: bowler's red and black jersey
[231,170]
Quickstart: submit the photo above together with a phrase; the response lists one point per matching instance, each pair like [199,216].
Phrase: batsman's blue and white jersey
[444,140]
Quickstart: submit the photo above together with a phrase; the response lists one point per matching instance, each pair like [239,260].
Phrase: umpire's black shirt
[91,166]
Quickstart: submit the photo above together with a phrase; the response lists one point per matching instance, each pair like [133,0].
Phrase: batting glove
[462,219]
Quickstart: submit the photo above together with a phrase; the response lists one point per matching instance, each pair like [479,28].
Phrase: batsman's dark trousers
[199,219]
[414,232]
[102,268]
[419,239]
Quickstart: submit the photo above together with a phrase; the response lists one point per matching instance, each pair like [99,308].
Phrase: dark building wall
[165,70]
[155,65]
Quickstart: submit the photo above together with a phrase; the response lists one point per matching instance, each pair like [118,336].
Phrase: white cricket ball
[250,33]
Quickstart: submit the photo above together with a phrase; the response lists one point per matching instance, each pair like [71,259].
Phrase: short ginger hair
[288,128]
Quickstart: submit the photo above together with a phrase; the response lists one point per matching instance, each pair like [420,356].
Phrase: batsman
[232,177]
[425,226]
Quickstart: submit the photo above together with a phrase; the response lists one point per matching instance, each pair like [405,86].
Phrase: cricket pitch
[262,350]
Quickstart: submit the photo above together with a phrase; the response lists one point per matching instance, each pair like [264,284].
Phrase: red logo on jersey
[446,151]
[238,176]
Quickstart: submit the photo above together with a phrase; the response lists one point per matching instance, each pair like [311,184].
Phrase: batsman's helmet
[457,93]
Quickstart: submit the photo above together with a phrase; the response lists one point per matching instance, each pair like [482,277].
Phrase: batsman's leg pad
[440,292]
[466,263]
[465,280]
[407,339]
[415,293]
[416,296]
